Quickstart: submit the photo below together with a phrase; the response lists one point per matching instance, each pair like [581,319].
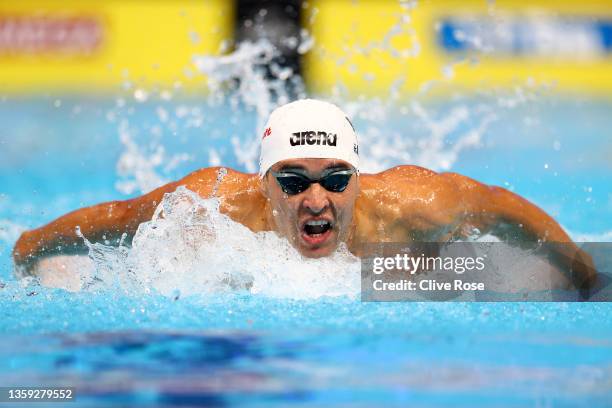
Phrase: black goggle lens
[336,183]
[292,183]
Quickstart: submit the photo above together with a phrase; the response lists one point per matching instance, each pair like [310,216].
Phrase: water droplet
[165,95]
[162,114]
[141,95]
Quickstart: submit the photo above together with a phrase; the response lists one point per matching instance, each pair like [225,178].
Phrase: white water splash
[136,169]
[189,248]
[10,231]
[430,139]
[249,78]
[433,152]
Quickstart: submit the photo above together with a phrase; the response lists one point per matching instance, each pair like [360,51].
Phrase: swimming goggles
[295,183]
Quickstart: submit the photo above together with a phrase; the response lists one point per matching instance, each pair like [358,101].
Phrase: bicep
[505,214]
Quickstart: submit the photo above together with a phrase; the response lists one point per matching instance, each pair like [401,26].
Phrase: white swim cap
[308,129]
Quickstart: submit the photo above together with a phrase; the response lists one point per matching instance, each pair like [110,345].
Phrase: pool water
[127,347]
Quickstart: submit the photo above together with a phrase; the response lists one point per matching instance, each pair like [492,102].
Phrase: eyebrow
[326,169]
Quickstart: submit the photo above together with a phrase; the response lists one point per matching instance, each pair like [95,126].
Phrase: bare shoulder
[405,172]
[240,194]
[212,174]
[226,180]
[418,196]
[411,182]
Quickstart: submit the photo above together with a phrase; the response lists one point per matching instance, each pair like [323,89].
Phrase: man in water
[310,191]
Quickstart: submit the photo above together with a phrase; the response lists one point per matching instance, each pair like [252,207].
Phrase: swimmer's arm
[102,222]
[513,219]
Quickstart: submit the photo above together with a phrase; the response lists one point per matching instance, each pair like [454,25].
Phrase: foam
[190,248]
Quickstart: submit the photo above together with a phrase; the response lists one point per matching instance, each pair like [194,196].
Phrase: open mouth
[315,232]
[315,227]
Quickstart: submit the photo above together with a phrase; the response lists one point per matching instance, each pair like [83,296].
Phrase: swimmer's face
[316,220]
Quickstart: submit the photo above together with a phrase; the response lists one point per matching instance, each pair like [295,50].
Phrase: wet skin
[291,213]
[402,204]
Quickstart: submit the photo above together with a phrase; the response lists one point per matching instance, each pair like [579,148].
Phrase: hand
[584,273]
[577,263]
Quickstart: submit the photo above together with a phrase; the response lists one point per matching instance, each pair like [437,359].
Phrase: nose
[315,199]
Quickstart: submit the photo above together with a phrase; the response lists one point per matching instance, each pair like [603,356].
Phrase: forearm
[109,221]
[512,217]
[105,221]
[99,223]
[517,221]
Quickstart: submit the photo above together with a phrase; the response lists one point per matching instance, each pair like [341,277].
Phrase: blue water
[137,349]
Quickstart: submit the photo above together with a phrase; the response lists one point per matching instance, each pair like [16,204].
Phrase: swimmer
[310,191]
